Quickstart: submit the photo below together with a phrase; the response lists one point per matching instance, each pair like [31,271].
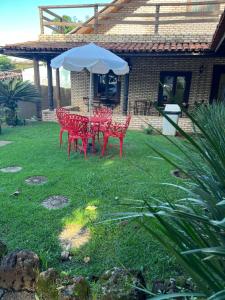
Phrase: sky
[19,19]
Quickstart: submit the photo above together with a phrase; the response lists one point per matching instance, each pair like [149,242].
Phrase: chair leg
[105,142]
[69,148]
[76,145]
[93,144]
[60,137]
[84,146]
[121,147]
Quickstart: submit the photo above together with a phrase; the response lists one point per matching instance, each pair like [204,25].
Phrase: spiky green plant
[193,228]
[11,92]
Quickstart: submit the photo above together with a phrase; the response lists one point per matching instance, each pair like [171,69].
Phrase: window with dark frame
[174,88]
[107,87]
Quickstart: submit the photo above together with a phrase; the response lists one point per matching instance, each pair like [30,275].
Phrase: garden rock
[3,250]
[4,143]
[79,290]
[49,275]
[173,285]
[55,202]
[47,284]
[119,284]
[36,180]
[65,255]
[17,296]
[19,271]
[12,169]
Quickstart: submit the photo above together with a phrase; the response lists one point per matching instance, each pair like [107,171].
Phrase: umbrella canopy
[93,58]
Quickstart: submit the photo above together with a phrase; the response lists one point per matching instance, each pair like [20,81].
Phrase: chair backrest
[127,123]
[77,124]
[119,129]
[104,112]
[62,116]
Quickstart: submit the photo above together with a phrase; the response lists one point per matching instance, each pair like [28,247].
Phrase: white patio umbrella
[95,59]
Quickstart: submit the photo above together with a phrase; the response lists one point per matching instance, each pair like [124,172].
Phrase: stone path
[12,169]
[4,143]
[36,180]
[55,202]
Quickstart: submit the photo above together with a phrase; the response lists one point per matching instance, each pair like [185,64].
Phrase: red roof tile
[129,47]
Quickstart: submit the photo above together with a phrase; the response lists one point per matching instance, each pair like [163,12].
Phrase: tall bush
[193,228]
[11,92]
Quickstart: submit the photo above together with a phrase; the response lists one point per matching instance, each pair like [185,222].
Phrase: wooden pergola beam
[142,3]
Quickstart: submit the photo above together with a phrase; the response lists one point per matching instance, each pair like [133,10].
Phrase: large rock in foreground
[6,295]
[120,284]
[78,290]
[19,271]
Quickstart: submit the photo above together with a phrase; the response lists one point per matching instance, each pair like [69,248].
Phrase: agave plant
[193,228]
[11,92]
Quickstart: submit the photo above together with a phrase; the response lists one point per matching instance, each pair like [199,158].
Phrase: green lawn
[102,182]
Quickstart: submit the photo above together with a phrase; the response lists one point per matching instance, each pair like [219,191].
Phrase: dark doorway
[107,88]
[218,84]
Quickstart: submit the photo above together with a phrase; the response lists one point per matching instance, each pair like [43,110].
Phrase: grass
[101,182]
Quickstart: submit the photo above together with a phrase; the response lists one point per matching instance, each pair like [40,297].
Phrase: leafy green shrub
[11,92]
[193,228]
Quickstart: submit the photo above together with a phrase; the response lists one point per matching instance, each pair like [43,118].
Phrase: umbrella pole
[90,95]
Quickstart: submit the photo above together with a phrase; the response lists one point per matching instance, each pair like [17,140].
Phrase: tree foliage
[6,64]
[66,29]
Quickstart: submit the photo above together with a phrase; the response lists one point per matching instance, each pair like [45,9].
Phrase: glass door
[218,84]
[174,88]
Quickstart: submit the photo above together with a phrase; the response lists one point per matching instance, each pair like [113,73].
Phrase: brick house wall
[145,77]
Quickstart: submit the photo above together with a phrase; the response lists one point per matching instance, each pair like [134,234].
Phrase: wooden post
[58,94]
[50,86]
[157,10]
[38,86]
[126,93]
[41,20]
[96,19]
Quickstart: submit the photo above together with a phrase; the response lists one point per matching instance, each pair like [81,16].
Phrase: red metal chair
[62,116]
[78,129]
[106,114]
[116,130]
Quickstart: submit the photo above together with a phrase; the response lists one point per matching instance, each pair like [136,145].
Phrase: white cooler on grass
[173,112]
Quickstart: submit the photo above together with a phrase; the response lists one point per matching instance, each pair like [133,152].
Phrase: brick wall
[145,76]
[134,7]
[123,38]
[137,122]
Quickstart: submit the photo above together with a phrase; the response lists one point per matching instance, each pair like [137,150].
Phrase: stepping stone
[13,169]
[4,143]
[55,202]
[36,180]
